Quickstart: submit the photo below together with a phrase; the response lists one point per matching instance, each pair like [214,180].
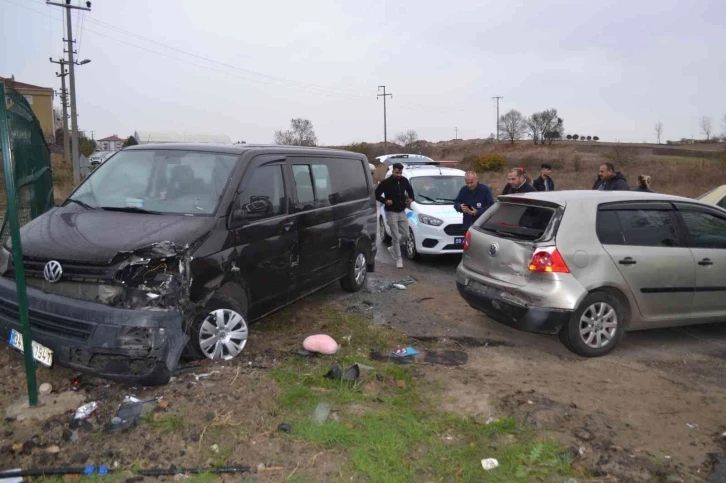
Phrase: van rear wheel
[595,327]
[354,280]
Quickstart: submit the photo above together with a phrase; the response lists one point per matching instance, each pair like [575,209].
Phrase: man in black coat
[473,200]
[544,182]
[610,180]
[517,183]
[396,194]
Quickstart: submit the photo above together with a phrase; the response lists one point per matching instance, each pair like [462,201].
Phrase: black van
[174,248]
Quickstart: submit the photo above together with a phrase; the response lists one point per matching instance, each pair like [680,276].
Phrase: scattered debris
[387,357]
[334,416]
[692,426]
[85,411]
[214,448]
[399,286]
[130,411]
[284,427]
[52,449]
[336,373]
[45,388]
[363,367]
[446,358]
[406,282]
[405,352]
[322,411]
[205,375]
[489,464]
[321,343]
[425,299]
[583,434]
[491,420]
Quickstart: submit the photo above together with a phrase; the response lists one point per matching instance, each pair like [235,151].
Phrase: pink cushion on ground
[321,343]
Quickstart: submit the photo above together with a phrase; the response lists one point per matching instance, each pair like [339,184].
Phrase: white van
[435,227]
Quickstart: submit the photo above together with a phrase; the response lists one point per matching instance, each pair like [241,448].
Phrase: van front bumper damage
[137,346]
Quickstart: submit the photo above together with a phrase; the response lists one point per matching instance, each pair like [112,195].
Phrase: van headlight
[430,220]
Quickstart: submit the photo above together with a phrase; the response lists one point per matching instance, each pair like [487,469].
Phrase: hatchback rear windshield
[513,220]
[159,181]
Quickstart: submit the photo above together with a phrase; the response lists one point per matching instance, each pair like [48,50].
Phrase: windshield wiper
[446,200]
[131,209]
[79,202]
[426,198]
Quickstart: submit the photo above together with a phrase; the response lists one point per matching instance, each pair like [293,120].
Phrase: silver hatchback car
[591,265]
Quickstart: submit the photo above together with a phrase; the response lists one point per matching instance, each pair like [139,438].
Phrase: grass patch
[389,427]
[166,424]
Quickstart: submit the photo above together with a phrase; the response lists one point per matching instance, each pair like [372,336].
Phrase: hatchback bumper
[529,319]
[132,346]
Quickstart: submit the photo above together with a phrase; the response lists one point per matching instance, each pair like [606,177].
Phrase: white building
[111,143]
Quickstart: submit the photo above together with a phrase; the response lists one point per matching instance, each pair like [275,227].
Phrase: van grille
[72,272]
[47,323]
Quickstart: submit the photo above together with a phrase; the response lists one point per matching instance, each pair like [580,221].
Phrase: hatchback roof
[595,196]
[233,148]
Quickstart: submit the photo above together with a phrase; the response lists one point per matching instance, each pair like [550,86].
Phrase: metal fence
[31,163]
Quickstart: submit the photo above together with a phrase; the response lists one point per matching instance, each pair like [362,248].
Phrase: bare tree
[512,125]
[301,133]
[658,130]
[406,139]
[723,126]
[545,125]
[706,127]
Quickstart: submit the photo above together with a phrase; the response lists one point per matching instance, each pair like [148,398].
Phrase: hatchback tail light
[467,241]
[548,260]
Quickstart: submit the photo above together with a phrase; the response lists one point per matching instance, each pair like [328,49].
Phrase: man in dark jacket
[610,180]
[473,199]
[517,183]
[544,182]
[396,194]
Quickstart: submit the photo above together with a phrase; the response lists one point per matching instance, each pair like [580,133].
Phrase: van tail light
[548,260]
[467,241]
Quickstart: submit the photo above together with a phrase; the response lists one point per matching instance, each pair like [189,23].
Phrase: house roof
[11,82]
[112,138]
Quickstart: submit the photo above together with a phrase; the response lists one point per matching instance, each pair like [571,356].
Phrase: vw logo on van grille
[53,271]
[493,249]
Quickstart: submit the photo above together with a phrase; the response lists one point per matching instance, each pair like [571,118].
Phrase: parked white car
[99,157]
[435,227]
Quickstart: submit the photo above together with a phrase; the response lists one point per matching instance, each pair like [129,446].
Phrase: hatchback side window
[648,228]
[706,230]
[264,196]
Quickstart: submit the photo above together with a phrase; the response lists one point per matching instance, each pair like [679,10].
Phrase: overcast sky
[611,68]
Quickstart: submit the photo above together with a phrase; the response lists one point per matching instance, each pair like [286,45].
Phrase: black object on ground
[31,472]
[284,427]
[446,358]
[387,357]
[336,372]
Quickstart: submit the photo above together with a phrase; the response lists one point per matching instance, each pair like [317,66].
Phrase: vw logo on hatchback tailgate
[493,249]
[53,271]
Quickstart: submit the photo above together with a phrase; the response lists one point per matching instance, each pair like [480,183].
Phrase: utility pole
[456,133]
[71,71]
[92,135]
[64,101]
[385,127]
[497,98]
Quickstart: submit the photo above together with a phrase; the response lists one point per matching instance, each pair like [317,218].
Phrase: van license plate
[459,240]
[40,352]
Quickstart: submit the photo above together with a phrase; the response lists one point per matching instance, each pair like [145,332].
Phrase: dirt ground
[653,410]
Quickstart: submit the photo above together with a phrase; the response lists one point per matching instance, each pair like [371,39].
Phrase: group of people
[396,194]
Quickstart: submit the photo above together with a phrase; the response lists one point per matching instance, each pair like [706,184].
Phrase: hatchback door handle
[627,261]
[706,262]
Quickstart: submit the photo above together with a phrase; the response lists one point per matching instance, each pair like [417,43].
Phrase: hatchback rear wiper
[131,209]
[79,202]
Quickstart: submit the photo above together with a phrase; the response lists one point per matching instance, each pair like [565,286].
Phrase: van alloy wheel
[360,268]
[223,334]
[598,325]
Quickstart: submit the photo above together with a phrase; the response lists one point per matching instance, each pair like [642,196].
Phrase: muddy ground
[653,410]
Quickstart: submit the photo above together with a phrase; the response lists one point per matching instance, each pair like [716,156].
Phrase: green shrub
[488,162]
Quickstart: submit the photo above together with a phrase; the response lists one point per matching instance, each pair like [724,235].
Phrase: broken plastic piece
[350,374]
[85,411]
[489,464]
[45,388]
[399,286]
[322,343]
[405,352]
[322,411]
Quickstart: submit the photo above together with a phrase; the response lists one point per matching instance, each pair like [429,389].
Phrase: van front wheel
[354,280]
[219,331]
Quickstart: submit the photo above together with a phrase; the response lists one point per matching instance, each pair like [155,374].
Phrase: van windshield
[513,220]
[436,190]
[158,181]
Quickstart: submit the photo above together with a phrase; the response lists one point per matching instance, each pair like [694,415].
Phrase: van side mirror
[259,207]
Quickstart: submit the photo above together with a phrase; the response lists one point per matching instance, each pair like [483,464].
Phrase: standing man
[396,194]
[610,180]
[473,199]
[544,182]
[517,183]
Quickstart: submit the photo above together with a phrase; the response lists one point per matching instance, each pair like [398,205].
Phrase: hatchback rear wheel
[595,327]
